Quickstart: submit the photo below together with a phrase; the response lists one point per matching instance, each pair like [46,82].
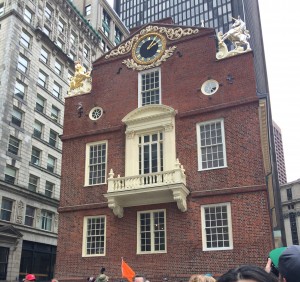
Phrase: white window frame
[25,39]
[20,89]
[55,112]
[27,16]
[23,63]
[58,67]
[56,90]
[199,151]
[12,172]
[84,238]
[203,227]
[42,79]
[11,211]
[87,162]
[30,216]
[44,56]
[140,85]
[51,163]
[36,185]
[45,217]
[49,192]
[151,212]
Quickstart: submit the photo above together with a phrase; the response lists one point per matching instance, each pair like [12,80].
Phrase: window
[25,39]
[94,236]
[29,216]
[86,52]
[44,55]
[16,117]
[40,104]
[42,79]
[6,209]
[289,194]
[216,227]
[49,189]
[51,163]
[1,9]
[60,43]
[95,163]
[149,87]
[46,222]
[73,38]
[14,145]
[53,138]
[88,9]
[48,12]
[118,36]
[10,174]
[23,63]
[46,30]
[38,129]
[70,75]
[61,25]
[56,90]
[151,232]
[211,145]
[4,251]
[35,156]
[71,56]
[55,114]
[294,229]
[33,182]
[58,67]
[106,23]
[27,16]
[20,89]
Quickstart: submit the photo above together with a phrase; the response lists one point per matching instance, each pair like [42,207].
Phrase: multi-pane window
[33,182]
[60,43]
[211,145]
[35,156]
[56,90]
[25,39]
[73,38]
[95,163]
[46,30]
[40,104]
[1,9]
[27,16]
[20,89]
[10,174]
[49,188]
[71,56]
[149,82]
[53,137]
[44,56]
[58,67]
[38,129]
[106,23]
[70,75]
[86,52]
[61,25]
[16,117]
[29,216]
[51,163]
[42,79]
[46,222]
[152,231]
[294,229]
[14,145]
[151,153]
[48,12]
[88,10]
[6,209]
[118,36]
[94,236]
[289,194]
[23,63]
[216,226]
[54,113]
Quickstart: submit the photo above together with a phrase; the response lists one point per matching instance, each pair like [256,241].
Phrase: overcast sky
[280,22]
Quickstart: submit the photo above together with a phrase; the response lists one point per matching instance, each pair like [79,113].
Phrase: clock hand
[152,43]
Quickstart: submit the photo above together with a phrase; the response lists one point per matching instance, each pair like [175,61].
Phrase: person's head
[103,278]
[29,277]
[289,264]
[139,278]
[247,273]
[54,280]
[201,278]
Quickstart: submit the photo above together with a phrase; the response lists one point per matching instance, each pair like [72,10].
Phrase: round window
[95,113]
[210,87]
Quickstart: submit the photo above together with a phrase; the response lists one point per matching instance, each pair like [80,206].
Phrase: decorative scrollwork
[131,64]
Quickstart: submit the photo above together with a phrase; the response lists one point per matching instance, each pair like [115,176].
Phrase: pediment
[10,231]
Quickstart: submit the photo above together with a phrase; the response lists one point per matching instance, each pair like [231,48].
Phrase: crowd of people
[283,266]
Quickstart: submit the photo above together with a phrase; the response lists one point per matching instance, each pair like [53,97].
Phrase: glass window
[216,227]
[25,39]
[96,163]
[14,145]
[86,52]
[70,75]
[29,216]
[27,15]
[42,79]
[58,67]
[1,9]
[61,25]
[51,163]
[149,82]
[48,12]
[88,10]
[55,114]
[46,222]
[23,63]
[6,209]
[49,189]
[38,129]
[118,36]
[10,174]
[289,194]
[73,38]
[71,56]
[53,137]
[44,55]
[40,104]
[20,89]
[46,30]
[35,156]
[151,231]
[56,90]
[60,43]
[16,117]
[211,145]
[94,236]
[106,23]
[33,182]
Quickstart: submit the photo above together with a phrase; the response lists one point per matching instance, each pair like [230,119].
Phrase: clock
[149,48]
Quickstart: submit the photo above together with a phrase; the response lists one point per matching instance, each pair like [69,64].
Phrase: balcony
[146,189]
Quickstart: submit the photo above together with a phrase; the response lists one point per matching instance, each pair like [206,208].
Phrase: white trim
[204,245]
[138,247]
[84,236]
[199,155]
[87,158]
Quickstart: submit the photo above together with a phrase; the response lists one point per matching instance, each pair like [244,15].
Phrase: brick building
[166,164]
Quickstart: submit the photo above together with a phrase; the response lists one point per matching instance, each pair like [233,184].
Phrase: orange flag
[127,271]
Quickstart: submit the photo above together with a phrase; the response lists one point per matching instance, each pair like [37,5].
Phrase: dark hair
[140,276]
[245,272]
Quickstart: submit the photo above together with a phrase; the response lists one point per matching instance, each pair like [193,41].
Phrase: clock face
[149,48]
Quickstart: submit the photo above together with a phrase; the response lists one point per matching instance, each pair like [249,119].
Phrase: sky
[280,22]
